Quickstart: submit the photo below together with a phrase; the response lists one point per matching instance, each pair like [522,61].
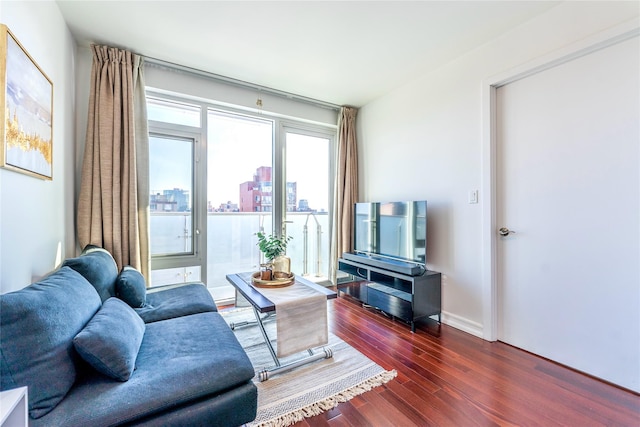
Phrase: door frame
[598,41]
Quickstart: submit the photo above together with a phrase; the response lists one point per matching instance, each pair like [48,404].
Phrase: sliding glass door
[219,176]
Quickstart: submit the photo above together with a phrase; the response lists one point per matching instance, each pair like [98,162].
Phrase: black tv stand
[398,266]
[411,298]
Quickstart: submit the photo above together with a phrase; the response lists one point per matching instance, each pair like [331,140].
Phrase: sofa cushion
[111,340]
[131,287]
[176,300]
[98,267]
[181,361]
[38,324]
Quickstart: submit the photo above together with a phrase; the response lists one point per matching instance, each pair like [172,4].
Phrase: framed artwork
[26,97]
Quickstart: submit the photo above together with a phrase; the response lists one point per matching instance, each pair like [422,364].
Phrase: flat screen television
[393,230]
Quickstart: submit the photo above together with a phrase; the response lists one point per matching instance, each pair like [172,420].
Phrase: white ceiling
[346,53]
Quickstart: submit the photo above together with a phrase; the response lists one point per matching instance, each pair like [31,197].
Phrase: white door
[568,184]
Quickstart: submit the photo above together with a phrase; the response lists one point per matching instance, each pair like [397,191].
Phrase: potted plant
[274,249]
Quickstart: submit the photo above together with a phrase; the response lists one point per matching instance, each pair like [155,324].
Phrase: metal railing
[232,241]
[305,237]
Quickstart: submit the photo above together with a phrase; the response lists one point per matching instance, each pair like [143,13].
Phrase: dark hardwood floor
[456,379]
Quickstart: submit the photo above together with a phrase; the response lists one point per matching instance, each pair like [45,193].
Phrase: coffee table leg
[266,337]
[326,353]
[234,325]
[264,375]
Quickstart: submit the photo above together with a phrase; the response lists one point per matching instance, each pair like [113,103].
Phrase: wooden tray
[283,279]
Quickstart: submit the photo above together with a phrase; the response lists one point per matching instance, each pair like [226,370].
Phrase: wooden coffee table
[262,305]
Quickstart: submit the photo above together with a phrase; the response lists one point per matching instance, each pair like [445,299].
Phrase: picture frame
[26,113]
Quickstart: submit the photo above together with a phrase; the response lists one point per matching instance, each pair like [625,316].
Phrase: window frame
[306,129]
[281,126]
[198,256]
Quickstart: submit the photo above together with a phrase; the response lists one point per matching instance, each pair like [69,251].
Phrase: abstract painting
[26,97]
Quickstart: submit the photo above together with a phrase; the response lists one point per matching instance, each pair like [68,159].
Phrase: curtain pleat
[142,167]
[346,187]
[109,213]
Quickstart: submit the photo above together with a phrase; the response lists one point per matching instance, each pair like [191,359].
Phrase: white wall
[37,216]
[423,141]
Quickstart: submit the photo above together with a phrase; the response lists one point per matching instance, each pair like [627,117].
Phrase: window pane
[307,217]
[239,195]
[161,110]
[170,180]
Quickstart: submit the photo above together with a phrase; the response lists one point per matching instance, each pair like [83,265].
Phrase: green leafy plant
[272,246]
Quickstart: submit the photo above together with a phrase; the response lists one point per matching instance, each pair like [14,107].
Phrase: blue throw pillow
[131,287]
[112,339]
[98,267]
[37,327]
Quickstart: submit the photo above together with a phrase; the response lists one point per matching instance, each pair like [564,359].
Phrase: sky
[236,148]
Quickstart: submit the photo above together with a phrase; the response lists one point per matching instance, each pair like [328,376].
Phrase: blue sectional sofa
[96,348]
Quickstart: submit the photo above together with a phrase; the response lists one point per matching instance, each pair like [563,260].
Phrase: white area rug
[308,390]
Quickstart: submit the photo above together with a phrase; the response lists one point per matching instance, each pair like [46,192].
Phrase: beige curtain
[113,207]
[346,187]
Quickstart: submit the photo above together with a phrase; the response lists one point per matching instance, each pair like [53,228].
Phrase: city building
[303,206]
[224,207]
[256,195]
[175,200]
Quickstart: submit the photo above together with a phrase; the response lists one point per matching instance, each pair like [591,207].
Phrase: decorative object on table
[265,271]
[274,249]
[282,264]
[277,279]
[26,99]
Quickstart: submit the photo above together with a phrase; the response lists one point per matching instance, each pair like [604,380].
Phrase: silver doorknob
[504,231]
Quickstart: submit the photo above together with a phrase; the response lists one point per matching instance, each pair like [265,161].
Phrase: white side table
[13,408]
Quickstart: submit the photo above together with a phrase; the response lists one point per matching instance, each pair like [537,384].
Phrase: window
[219,176]
[171,186]
[175,112]
[239,165]
[174,129]
[307,171]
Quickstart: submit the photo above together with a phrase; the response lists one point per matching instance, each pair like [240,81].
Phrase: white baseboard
[465,325]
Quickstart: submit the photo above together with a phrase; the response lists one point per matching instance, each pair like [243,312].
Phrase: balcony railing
[232,245]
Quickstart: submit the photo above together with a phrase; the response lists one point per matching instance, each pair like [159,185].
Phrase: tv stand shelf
[411,298]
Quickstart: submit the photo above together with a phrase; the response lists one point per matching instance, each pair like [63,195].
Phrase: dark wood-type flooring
[457,379]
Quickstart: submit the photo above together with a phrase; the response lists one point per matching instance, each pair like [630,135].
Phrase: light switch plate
[473,196]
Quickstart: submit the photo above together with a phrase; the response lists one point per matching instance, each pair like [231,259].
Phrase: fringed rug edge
[330,402]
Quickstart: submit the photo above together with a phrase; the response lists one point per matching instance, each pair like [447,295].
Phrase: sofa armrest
[167,302]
